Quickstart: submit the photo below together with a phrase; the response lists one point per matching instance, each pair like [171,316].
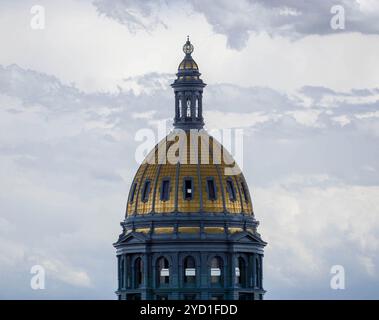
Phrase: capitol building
[189,231]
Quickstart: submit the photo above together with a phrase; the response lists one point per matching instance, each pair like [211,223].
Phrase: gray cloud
[237,19]
[136,15]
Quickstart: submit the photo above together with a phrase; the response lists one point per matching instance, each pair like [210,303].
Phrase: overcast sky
[72,96]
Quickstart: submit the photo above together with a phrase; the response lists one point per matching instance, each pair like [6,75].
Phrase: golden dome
[199,176]
[188,64]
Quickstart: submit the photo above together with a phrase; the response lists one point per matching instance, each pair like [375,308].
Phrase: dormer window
[244,191]
[133,192]
[145,191]
[211,189]
[231,190]
[188,189]
[165,190]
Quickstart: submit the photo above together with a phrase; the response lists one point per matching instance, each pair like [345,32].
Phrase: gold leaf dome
[188,64]
[198,176]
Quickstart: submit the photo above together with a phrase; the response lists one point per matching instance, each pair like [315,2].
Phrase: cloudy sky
[73,95]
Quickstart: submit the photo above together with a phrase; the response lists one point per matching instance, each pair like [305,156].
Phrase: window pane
[189,270]
[133,192]
[211,189]
[165,193]
[230,189]
[189,262]
[215,270]
[187,189]
[145,191]
[215,263]
[188,108]
[163,271]
[244,191]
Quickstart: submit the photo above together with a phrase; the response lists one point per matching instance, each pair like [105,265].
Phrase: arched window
[180,107]
[188,114]
[189,270]
[163,271]
[241,272]
[138,272]
[197,107]
[216,270]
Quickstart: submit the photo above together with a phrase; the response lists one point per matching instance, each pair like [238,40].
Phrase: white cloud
[220,120]
[366,115]
[312,228]
[97,53]
[306,117]
[239,19]
[63,272]
[342,120]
